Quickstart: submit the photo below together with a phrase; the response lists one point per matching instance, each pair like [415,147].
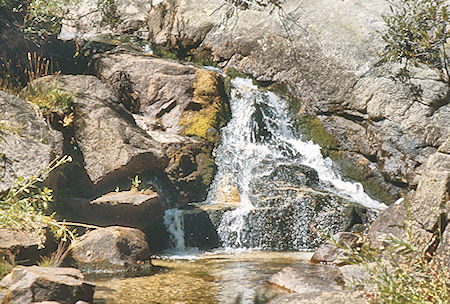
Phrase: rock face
[327,55]
[429,207]
[27,144]
[331,254]
[291,210]
[111,247]
[25,247]
[36,284]
[171,100]
[111,143]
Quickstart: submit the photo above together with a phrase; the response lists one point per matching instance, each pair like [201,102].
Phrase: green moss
[315,131]
[212,112]
[5,268]
[206,167]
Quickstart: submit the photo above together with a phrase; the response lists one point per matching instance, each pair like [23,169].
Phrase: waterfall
[264,167]
[173,220]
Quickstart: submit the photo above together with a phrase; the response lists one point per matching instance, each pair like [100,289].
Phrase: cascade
[173,220]
[284,189]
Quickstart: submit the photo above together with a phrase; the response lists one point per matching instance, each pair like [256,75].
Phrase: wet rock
[27,143]
[111,247]
[199,230]
[306,283]
[143,210]
[113,147]
[26,247]
[36,284]
[329,253]
[173,100]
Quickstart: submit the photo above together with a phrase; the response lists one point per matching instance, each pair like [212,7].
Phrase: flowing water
[239,277]
[274,191]
[260,138]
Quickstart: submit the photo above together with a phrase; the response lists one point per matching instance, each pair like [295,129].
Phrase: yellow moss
[208,96]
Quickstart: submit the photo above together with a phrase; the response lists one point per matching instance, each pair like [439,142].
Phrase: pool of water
[217,277]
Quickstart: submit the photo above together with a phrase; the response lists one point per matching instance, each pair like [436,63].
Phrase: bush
[417,31]
[404,273]
[25,205]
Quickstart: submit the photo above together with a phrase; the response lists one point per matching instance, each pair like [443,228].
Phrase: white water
[173,220]
[261,130]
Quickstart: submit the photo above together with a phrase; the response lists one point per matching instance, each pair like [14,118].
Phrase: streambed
[222,277]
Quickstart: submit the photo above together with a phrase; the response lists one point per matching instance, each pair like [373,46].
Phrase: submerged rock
[111,247]
[27,142]
[26,285]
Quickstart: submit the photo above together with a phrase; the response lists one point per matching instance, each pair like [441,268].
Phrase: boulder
[175,101]
[329,253]
[37,284]
[111,247]
[26,247]
[142,210]
[113,147]
[27,143]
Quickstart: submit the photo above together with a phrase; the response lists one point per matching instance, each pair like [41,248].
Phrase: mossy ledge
[209,110]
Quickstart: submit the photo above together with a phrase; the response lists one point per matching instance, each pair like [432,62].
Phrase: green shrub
[417,32]
[402,273]
[25,205]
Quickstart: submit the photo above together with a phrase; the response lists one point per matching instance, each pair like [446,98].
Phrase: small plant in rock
[50,100]
[404,272]
[417,32]
[56,258]
[135,183]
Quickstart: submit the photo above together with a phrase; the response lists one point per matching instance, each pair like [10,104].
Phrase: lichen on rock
[208,111]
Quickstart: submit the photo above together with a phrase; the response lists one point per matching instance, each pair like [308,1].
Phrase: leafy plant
[135,183]
[403,273]
[25,205]
[417,32]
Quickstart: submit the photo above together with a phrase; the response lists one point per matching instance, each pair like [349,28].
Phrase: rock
[428,207]
[173,100]
[111,247]
[142,210]
[331,254]
[26,247]
[36,284]
[307,283]
[354,273]
[199,230]
[88,19]
[113,147]
[27,143]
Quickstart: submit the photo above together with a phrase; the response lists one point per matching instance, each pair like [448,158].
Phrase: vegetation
[25,205]
[50,100]
[417,32]
[404,273]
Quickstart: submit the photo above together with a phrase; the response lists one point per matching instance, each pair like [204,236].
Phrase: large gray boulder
[111,247]
[113,147]
[178,104]
[25,285]
[27,143]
